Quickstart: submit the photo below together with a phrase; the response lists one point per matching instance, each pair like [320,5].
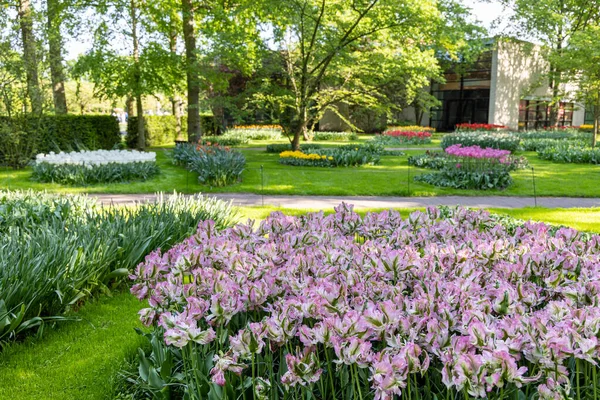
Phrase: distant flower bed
[469,167]
[280,147]
[258,127]
[443,304]
[343,156]
[409,128]
[334,136]
[215,165]
[570,153]
[230,139]
[254,133]
[91,167]
[484,139]
[480,127]
[403,137]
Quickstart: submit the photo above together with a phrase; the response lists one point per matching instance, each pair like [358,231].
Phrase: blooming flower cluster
[408,134]
[303,156]
[458,150]
[411,128]
[259,127]
[479,127]
[96,157]
[444,294]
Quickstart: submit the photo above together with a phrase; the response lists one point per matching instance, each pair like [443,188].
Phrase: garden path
[328,202]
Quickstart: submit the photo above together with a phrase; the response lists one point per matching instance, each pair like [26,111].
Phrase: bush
[463,179]
[279,147]
[502,141]
[17,148]
[64,132]
[446,304]
[215,165]
[57,251]
[160,130]
[334,136]
[568,153]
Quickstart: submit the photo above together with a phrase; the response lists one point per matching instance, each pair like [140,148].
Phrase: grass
[392,177]
[78,360]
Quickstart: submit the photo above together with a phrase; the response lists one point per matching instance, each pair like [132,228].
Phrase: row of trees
[291,60]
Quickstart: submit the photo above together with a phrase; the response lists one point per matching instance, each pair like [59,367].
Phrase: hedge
[68,132]
[161,129]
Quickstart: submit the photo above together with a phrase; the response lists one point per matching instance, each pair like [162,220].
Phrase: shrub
[57,251]
[503,141]
[568,153]
[101,166]
[215,165]
[160,130]
[67,132]
[447,303]
[334,136]
[16,146]
[279,147]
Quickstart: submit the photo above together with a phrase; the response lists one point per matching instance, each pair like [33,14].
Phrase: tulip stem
[329,372]
[577,375]
[594,381]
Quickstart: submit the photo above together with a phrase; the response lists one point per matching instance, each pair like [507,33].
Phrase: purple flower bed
[446,303]
[458,150]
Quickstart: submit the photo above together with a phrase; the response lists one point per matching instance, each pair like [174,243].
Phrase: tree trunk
[129,106]
[141,139]
[175,100]
[29,56]
[55,57]
[596,120]
[193,85]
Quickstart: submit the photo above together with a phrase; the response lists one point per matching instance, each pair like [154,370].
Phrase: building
[507,86]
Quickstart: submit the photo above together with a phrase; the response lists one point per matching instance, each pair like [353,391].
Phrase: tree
[193,84]
[55,11]
[34,91]
[553,23]
[340,51]
[581,64]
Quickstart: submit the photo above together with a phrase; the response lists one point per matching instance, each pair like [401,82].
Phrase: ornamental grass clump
[215,165]
[91,167]
[445,304]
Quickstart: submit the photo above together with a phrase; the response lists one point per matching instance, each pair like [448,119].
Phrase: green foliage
[80,175]
[279,147]
[429,160]
[17,148]
[209,125]
[566,134]
[334,136]
[160,130]
[569,153]
[388,140]
[342,156]
[256,134]
[63,132]
[225,140]
[215,165]
[541,144]
[439,160]
[55,252]
[483,139]
[463,179]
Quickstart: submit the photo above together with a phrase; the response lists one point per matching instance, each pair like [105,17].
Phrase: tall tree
[553,23]
[581,65]
[55,10]
[340,51]
[137,74]
[30,58]
[193,80]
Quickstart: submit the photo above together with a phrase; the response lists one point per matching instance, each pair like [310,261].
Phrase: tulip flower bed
[410,128]
[480,127]
[215,165]
[443,304]
[493,140]
[280,147]
[90,167]
[334,136]
[403,137]
[343,156]
[256,133]
[570,153]
[469,167]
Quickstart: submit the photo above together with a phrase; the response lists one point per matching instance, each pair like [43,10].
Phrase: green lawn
[77,360]
[389,178]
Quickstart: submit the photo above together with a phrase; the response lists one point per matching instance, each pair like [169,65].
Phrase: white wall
[518,70]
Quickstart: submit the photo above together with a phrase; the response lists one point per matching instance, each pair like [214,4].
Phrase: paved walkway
[322,202]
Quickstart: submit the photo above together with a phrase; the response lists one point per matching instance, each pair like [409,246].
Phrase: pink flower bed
[445,300]
[458,150]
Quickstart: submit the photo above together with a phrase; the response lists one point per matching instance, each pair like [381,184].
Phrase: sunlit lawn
[391,177]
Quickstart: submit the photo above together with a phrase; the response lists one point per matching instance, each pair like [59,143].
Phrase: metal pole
[408,178]
[534,191]
[262,184]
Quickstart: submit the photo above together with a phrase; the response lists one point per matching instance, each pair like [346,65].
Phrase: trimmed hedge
[161,130]
[68,132]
